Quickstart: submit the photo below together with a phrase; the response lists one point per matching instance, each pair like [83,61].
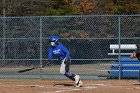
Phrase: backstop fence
[24,44]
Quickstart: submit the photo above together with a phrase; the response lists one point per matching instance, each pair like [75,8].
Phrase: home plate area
[64,86]
[61,88]
[69,88]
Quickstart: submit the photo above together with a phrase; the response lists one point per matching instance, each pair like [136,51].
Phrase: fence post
[41,48]
[139,75]
[119,41]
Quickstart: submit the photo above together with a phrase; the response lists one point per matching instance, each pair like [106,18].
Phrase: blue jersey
[59,51]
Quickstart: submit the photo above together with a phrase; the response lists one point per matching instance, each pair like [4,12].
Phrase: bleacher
[125,67]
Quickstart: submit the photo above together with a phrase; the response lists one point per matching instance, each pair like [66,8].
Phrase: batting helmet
[54,40]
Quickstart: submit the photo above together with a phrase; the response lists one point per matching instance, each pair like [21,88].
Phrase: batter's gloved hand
[67,61]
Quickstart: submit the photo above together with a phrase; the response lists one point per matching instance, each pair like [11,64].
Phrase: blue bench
[125,66]
[129,68]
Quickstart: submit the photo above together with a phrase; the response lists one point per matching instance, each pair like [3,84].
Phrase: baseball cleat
[78,82]
[77,79]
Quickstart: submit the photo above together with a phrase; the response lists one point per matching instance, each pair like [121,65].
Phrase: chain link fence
[24,44]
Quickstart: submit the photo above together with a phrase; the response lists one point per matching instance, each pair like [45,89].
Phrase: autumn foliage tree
[123,7]
[84,7]
[68,7]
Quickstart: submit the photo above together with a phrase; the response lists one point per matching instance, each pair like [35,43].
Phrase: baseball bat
[29,69]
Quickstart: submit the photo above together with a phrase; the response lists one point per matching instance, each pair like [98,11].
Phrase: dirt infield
[66,86]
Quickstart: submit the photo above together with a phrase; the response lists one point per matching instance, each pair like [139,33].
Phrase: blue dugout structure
[126,68]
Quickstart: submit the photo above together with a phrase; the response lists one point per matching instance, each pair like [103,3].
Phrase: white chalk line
[92,87]
[71,89]
[130,88]
[133,88]
[58,91]
[99,85]
[21,85]
[40,86]
[137,87]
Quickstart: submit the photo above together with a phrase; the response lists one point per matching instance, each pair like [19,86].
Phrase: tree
[68,7]
[61,7]
[84,7]
[39,7]
[123,7]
